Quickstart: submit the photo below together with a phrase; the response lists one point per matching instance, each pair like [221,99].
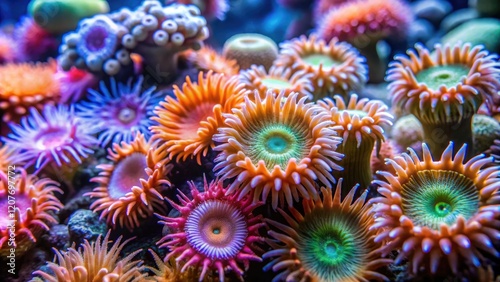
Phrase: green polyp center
[216,231]
[273,83]
[442,209]
[358,113]
[316,60]
[435,197]
[449,76]
[329,244]
[126,115]
[276,145]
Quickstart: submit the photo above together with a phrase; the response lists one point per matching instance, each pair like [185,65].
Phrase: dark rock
[57,237]
[85,225]
[457,18]
[420,30]
[29,263]
[77,202]
[432,10]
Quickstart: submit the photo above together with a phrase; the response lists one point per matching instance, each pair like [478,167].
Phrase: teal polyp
[61,16]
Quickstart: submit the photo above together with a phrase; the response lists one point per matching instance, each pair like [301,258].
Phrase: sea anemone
[337,67]
[277,79]
[251,49]
[26,85]
[55,136]
[485,130]
[27,204]
[74,84]
[94,263]
[95,46]
[364,21]
[277,145]
[187,123]
[360,123]
[169,271]
[209,8]
[444,90]
[214,231]
[119,112]
[207,59]
[129,188]
[494,150]
[432,211]
[8,49]
[34,43]
[330,241]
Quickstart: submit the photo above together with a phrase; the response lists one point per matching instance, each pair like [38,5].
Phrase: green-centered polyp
[329,241]
[278,143]
[328,245]
[444,89]
[433,197]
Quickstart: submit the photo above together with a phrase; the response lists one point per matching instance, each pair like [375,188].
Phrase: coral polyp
[187,122]
[337,67]
[444,90]
[33,201]
[360,123]
[17,96]
[329,241]
[251,49]
[74,84]
[362,22]
[94,262]
[55,136]
[277,79]
[279,146]
[210,8]
[121,111]
[207,59]
[93,46]
[129,188]
[214,232]
[438,212]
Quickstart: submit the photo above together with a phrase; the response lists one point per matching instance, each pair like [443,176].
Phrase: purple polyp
[96,38]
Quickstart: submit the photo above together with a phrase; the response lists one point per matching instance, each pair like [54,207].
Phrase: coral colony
[197,140]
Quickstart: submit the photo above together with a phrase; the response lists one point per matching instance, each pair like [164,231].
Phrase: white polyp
[160,37]
[123,56]
[111,67]
[150,22]
[129,41]
[169,26]
[177,38]
[93,63]
[140,33]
